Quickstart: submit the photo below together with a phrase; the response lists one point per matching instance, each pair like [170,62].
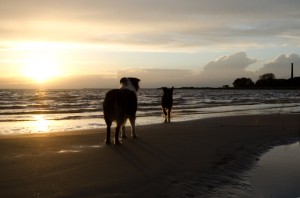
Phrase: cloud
[281,66]
[150,78]
[15,83]
[238,61]
[153,24]
[154,78]
[226,69]
[217,73]
[71,82]
[84,81]
[151,10]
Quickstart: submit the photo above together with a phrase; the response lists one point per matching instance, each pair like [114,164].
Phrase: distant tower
[292,71]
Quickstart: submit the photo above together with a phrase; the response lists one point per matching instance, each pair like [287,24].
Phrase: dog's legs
[123,131]
[132,123]
[169,115]
[117,133]
[108,127]
[164,111]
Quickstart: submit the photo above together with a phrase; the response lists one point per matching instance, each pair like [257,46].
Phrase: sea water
[38,110]
[278,173]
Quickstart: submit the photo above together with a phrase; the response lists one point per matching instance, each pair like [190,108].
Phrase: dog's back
[118,105]
[167,103]
[167,98]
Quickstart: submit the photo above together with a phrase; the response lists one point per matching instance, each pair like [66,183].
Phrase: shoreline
[44,126]
[181,159]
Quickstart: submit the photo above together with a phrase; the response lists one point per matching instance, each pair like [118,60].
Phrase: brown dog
[167,102]
[120,105]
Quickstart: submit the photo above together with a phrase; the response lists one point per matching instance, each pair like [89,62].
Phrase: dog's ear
[136,83]
[136,80]
[123,80]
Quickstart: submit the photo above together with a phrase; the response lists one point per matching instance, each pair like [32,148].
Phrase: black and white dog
[120,105]
[167,102]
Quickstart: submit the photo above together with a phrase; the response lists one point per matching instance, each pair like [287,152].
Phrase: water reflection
[41,93]
[41,124]
[278,173]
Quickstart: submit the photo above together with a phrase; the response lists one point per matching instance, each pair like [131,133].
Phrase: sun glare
[41,124]
[41,68]
[41,64]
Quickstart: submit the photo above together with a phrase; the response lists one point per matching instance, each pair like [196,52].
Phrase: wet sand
[180,159]
[277,173]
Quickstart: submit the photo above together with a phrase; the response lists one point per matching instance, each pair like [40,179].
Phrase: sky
[93,43]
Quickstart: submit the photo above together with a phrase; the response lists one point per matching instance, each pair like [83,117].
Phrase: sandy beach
[180,159]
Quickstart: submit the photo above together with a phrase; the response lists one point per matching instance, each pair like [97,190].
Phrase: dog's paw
[107,142]
[134,137]
[124,136]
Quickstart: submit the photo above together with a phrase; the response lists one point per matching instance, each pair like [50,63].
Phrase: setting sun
[41,66]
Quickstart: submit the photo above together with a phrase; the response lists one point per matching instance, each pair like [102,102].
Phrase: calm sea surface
[37,111]
[278,173]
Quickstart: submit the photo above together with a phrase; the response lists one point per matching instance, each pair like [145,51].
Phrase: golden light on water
[41,124]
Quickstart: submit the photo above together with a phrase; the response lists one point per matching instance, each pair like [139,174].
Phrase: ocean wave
[21,105]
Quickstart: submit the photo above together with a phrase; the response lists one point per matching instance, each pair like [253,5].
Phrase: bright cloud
[281,66]
[152,78]
[226,69]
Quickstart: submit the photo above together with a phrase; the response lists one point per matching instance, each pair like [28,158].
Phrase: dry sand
[181,159]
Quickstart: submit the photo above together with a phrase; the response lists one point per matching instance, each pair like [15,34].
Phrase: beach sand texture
[179,159]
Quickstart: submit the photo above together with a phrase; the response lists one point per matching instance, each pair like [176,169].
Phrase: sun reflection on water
[41,124]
